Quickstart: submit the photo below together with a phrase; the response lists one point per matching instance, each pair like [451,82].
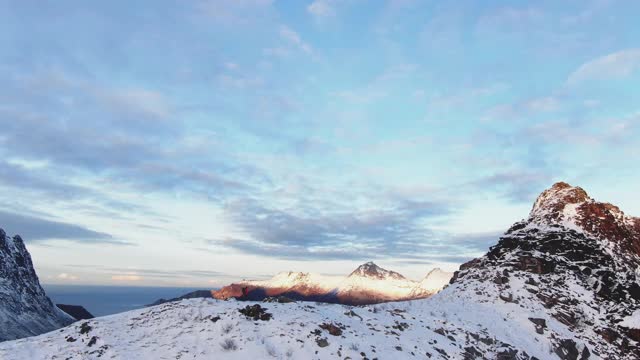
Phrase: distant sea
[107,300]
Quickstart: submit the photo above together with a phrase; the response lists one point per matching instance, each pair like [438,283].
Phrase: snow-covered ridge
[367,284]
[291,279]
[373,271]
[435,280]
[25,309]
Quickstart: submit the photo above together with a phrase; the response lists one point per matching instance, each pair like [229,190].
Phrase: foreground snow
[445,326]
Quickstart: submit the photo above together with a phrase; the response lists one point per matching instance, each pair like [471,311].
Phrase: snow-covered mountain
[25,309]
[562,284]
[368,284]
[435,281]
[371,284]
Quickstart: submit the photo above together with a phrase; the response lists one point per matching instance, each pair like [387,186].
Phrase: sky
[194,143]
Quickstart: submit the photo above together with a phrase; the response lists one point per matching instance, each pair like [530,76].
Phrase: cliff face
[25,309]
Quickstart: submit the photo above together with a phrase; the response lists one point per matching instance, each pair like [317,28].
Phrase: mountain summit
[25,309]
[373,271]
[575,264]
[571,207]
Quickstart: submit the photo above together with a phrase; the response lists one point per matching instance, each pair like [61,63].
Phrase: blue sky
[197,142]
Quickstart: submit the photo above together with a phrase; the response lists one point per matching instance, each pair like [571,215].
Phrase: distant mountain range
[562,284]
[368,284]
[76,311]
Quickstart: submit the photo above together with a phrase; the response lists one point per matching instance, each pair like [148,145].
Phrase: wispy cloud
[294,38]
[67,276]
[397,231]
[619,64]
[127,277]
[34,229]
[322,8]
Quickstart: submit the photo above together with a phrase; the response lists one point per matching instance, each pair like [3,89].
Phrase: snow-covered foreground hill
[445,326]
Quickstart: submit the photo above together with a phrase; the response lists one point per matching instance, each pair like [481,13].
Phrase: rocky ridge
[25,309]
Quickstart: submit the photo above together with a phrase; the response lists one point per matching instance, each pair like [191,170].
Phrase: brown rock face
[609,222]
[563,203]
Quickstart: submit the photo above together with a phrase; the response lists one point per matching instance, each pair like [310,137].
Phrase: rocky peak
[24,306]
[433,272]
[373,271]
[572,255]
[551,205]
[571,207]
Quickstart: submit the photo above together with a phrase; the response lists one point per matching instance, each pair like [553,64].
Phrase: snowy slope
[370,283]
[290,279]
[446,325]
[25,309]
[544,291]
[435,281]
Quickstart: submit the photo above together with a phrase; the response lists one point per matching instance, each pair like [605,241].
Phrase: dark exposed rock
[566,317]
[256,312]
[540,324]
[213,319]
[440,331]
[332,329]
[352,313]
[506,297]
[322,342]
[633,334]
[609,335]
[92,341]
[85,328]
[278,299]
[566,350]
[508,354]
[471,353]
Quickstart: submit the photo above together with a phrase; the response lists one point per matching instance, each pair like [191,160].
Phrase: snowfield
[471,318]
[439,327]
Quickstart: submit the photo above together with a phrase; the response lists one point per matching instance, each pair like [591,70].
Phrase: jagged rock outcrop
[25,309]
[574,259]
